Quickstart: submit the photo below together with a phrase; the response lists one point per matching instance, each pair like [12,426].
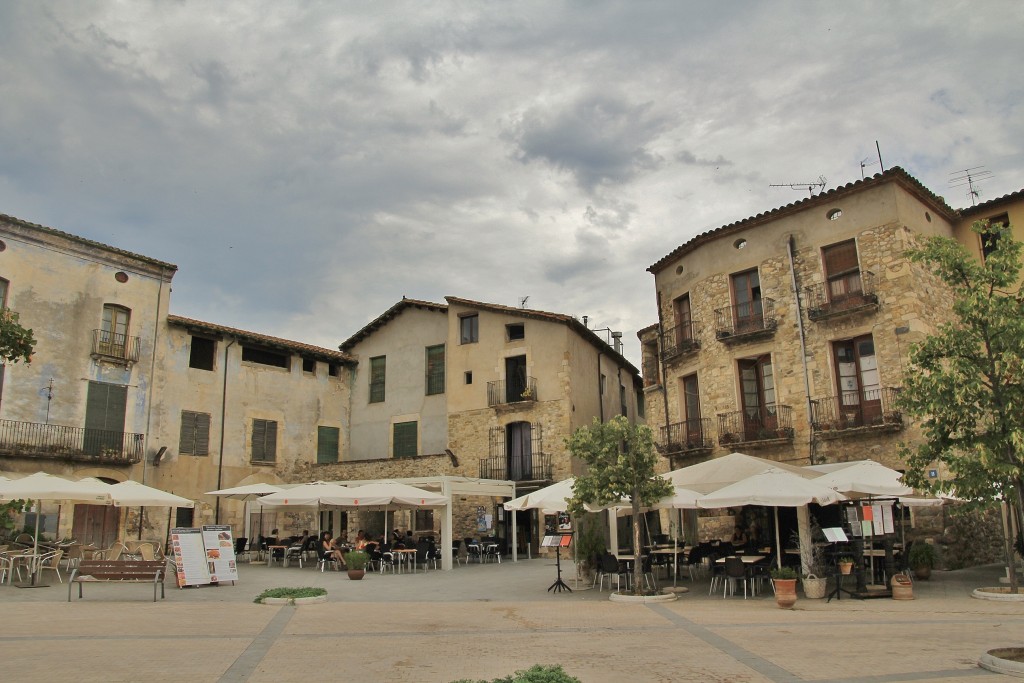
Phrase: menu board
[190,563]
[220,553]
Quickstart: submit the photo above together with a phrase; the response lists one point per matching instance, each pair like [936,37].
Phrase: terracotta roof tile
[255,337]
[385,317]
[991,204]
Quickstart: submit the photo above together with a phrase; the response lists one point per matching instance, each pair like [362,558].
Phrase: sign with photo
[190,563]
[220,553]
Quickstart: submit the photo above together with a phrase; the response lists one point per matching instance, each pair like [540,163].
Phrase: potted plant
[921,559]
[845,564]
[784,580]
[356,561]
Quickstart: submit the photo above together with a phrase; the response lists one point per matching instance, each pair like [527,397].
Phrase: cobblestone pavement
[486,621]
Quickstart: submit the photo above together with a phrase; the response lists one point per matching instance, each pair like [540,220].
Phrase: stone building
[785,335]
[119,389]
[478,390]
[1007,210]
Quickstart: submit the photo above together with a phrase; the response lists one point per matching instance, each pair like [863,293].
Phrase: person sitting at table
[739,537]
[361,540]
[328,548]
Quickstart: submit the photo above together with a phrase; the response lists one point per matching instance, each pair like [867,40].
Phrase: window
[842,270]
[105,406]
[201,352]
[515,331]
[113,335]
[652,373]
[600,385]
[757,392]
[856,370]
[746,293]
[264,440]
[640,411]
[424,520]
[332,369]
[624,408]
[684,328]
[404,441]
[378,370]
[3,292]
[517,384]
[469,329]
[194,436]
[693,431]
[435,369]
[990,238]
[309,365]
[263,356]
[327,440]
[469,376]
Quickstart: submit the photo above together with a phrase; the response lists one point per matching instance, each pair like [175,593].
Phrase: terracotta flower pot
[356,574]
[845,567]
[785,592]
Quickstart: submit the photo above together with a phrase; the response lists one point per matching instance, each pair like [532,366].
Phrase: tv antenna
[523,300]
[969,177]
[804,186]
[865,163]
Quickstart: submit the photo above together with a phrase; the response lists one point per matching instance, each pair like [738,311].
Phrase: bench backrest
[121,569]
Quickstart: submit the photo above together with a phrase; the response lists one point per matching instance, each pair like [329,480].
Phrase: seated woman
[361,540]
[739,537]
[329,549]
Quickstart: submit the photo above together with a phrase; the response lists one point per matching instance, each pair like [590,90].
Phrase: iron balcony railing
[874,409]
[756,426]
[752,319]
[679,340]
[121,347]
[80,444]
[528,467]
[683,437]
[839,297]
[511,391]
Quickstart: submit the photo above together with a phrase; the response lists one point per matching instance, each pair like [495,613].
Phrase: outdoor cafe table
[404,555]
[284,554]
[675,553]
[747,559]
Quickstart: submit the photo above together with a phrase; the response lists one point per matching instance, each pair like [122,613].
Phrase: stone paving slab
[487,621]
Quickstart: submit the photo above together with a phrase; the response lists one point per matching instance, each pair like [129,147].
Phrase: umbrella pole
[778,541]
[140,523]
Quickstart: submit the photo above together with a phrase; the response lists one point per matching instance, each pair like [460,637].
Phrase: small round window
[834,214]
[740,243]
[679,270]
[3,245]
[121,276]
[927,216]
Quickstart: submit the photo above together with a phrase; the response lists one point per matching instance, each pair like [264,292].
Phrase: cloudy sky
[307,164]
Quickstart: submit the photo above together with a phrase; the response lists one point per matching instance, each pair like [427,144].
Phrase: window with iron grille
[378,370]
[264,440]
[327,440]
[404,440]
[435,369]
[194,436]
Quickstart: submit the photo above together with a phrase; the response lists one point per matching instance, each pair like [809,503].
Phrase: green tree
[16,342]
[966,381]
[620,461]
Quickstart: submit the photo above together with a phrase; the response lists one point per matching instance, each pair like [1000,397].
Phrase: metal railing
[745,320]
[80,444]
[511,391]
[683,437]
[851,294]
[851,410]
[766,425]
[679,340]
[122,347]
[529,467]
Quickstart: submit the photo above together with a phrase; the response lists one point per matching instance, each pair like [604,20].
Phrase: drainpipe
[600,394]
[223,412]
[791,252]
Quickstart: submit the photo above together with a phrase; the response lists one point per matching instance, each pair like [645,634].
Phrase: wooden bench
[118,571]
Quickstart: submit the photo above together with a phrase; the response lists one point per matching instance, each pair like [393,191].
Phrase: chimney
[617,342]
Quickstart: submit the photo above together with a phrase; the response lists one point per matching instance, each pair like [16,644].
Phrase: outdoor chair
[114,552]
[472,550]
[648,569]
[717,572]
[294,552]
[422,553]
[51,562]
[492,551]
[610,567]
[147,551]
[241,549]
[456,557]
[433,553]
[387,558]
[735,570]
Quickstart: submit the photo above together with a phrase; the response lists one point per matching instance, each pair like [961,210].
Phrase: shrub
[290,593]
[538,673]
[783,573]
[356,559]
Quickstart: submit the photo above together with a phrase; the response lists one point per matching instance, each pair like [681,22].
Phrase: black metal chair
[241,548]
[735,570]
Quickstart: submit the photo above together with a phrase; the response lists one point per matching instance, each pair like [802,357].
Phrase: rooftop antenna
[522,301]
[804,186]
[969,177]
[866,162]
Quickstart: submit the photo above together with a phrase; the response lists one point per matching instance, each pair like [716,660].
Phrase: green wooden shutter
[104,417]
[327,439]
[404,445]
[378,372]
[435,370]
[264,440]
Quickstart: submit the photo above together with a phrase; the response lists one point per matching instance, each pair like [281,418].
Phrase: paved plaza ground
[486,621]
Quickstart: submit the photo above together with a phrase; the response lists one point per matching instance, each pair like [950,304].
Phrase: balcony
[679,341]
[746,322]
[690,438]
[74,444]
[118,348]
[504,392]
[850,295]
[527,467]
[756,428]
[836,417]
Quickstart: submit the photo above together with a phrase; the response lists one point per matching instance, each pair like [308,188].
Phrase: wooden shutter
[327,439]
[404,445]
[840,258]
[264,440]
[378,373]
[194,436]
[202,434]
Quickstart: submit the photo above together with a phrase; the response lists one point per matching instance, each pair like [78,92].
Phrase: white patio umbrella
[773,488]
[862,478]
[388,495]
[313,494]
[713,474]
[133,494]
[247,492]
[47,487]
[549,500]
